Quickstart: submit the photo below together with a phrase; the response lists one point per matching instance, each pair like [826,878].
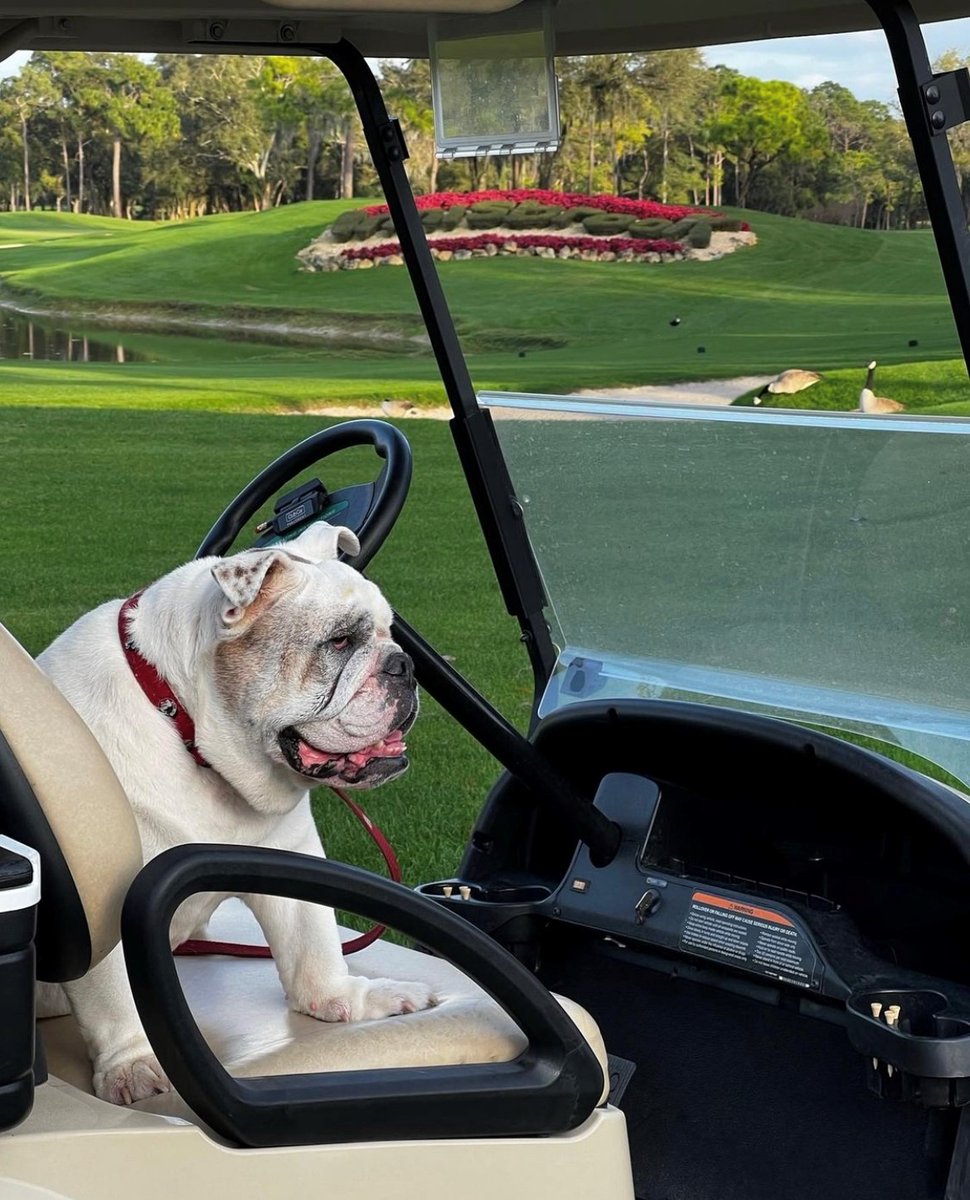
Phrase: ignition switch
[647,905]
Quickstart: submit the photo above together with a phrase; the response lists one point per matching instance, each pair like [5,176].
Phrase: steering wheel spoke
[371,510]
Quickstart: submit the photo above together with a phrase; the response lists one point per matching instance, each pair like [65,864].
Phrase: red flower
[525,241]
[618,204]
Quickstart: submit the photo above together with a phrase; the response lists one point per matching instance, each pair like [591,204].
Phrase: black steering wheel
[370,509]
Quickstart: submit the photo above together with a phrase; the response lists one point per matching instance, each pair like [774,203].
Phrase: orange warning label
[749,910]
[744,935]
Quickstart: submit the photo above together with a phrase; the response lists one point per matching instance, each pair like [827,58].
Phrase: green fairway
[807,295]
[97,504]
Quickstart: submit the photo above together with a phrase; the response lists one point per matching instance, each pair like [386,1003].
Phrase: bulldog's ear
[321,542]
[244,577]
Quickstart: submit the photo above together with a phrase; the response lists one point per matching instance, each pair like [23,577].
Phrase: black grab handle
[390,487]
[553,1085]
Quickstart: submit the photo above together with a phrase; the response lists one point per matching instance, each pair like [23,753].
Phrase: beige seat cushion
[240,1008]
[76,788]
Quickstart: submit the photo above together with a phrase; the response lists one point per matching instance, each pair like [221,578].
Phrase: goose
[869,402]
[788,383]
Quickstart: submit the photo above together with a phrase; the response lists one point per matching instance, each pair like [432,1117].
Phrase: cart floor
[733,1099]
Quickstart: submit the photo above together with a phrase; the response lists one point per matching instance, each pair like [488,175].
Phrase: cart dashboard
[751,847]
[822,893]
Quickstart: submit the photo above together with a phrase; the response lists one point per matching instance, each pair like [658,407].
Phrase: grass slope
[937,389]
[807,295]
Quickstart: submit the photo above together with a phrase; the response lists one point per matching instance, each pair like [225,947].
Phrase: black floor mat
[736,1100]
[621,1072]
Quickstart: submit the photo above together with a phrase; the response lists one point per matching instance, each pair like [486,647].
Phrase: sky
[859,61]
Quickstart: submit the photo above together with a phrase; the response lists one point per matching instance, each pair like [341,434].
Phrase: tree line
[185,135]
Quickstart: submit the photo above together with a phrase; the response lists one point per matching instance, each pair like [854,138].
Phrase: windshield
[806,565]
[715,338]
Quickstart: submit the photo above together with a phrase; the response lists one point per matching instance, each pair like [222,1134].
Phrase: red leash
[197,946]
[164,699]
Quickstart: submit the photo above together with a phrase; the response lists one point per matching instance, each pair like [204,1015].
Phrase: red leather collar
[153,685]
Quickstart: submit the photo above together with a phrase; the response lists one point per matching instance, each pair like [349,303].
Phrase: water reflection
[25,337]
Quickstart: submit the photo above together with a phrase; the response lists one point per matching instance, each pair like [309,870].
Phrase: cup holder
[460,892]
[917,1048]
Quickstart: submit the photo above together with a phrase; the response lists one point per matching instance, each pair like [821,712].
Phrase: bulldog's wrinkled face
[306,664]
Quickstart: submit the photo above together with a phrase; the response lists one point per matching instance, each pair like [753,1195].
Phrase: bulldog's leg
[306,946]
[51,1000]
[125,1067]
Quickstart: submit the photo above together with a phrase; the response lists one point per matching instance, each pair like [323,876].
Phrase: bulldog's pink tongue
[391,747]
[310,755]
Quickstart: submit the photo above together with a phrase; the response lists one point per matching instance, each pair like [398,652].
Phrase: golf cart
[757,930]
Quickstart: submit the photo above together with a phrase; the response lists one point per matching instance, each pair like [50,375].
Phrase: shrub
[345,226]
[607,224]
[487,216]
[535,206]
[653,227]
[700,235]
[574,215]
[366,226]
[682,228]
[532,216]
[727,224]
[578,213]
[431,218]
[453,217]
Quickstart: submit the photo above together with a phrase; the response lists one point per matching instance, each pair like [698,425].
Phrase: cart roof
[398,28]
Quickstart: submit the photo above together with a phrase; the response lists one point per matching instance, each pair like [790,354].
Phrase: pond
[27,337]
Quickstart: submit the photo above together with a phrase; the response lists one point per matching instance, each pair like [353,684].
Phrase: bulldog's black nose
[399,664]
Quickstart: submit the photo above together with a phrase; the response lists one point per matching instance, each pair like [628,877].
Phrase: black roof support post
[932,104]
[498,510]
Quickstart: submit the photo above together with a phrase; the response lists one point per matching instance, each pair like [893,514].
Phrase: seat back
[59,794]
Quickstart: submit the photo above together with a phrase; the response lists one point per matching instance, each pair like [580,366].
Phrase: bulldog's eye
[339,643]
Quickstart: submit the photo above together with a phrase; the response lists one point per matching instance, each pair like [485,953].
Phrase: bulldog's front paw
[134,1079]
[359,999]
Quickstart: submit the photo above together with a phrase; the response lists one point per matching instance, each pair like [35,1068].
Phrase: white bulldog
[284,660]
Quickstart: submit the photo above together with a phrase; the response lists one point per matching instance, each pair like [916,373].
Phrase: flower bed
[531,221]
[490,244]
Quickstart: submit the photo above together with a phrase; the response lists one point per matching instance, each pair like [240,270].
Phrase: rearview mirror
[494,95]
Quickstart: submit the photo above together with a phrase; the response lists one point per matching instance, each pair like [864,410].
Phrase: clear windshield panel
[802,564]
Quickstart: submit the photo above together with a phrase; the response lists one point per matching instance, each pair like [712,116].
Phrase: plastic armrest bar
[551,1087]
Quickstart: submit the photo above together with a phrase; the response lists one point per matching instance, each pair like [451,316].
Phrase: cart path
[706,391]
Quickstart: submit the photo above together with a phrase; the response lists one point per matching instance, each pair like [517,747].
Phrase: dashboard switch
[647,905]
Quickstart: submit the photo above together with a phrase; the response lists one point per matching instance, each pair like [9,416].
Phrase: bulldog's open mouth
[370,764]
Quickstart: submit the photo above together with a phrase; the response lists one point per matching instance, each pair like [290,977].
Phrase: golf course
[111,472]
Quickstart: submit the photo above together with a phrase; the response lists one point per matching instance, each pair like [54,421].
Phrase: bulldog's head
[305,662]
